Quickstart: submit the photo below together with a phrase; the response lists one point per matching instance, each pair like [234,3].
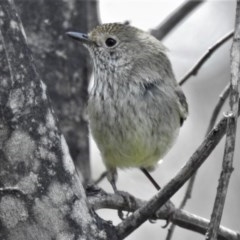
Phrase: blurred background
[186,43]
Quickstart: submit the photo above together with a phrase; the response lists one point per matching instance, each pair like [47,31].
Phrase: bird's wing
[182,104]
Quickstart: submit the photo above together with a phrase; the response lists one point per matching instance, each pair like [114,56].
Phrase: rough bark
[63,65]
[41,196]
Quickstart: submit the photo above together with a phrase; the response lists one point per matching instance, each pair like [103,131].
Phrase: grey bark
[63,65]
[41,196]
[175,18]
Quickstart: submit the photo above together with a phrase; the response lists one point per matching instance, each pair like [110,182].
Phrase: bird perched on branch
[135,107]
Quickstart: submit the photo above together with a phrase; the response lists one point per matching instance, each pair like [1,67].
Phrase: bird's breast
[129,128]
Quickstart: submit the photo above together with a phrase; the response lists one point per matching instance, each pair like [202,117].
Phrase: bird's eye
[110,42]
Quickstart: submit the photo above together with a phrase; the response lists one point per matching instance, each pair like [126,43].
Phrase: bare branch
[181,218]
[194,70]
[222,98]
[227,166]
[171,231]
[176,17]
[198,224]
[187,196]
[200,155]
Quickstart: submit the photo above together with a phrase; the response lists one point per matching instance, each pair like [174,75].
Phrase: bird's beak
[82,37]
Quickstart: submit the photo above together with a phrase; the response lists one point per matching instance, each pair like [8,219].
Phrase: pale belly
[132,138]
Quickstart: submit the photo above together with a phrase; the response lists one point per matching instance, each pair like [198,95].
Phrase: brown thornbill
[135,107]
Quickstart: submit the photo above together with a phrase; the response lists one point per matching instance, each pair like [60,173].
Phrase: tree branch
[198,224]
[181,218]
[186,197]
[175,18]
[222,98]
[200,155]
[227,166]
[194,70]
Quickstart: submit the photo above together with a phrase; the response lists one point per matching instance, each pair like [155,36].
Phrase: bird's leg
[155,184]
[150,178]
[112,178]
[101,177]
[130,201]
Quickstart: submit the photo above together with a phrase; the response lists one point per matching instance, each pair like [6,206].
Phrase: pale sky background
[186,43]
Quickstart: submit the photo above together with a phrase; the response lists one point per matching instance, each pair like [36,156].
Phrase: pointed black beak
[82,37]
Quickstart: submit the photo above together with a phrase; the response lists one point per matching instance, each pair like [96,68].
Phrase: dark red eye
[110,42]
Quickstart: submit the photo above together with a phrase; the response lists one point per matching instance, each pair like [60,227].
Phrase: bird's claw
[129,201]
[168,219]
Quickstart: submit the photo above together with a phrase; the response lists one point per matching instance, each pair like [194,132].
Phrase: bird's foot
[168,219]
[129,200]
[129,203]
[93,190]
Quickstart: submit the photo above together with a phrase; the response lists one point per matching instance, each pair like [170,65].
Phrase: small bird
[135,106]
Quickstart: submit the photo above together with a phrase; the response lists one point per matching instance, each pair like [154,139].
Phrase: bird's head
[117,44]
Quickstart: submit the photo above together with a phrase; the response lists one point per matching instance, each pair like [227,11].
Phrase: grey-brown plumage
[135,106]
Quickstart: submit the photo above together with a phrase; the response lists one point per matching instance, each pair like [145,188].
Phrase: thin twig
[142,214]
[198,224]
[227,166]
[194,70]
[187,196]
[176,17]
[222,98]
[171,230]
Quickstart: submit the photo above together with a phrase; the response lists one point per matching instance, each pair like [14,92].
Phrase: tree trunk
[63,65]
[41,196]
